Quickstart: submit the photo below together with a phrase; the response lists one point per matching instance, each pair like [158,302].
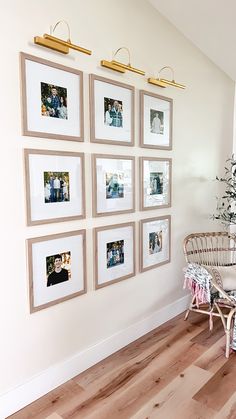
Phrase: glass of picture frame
[55,188]
[57,268]
[113,184]
[111,111]
[52,99]
[155,182]
[155,239]
[114,249]
[156,114]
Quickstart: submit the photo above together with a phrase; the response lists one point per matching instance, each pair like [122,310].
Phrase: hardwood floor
[177,371]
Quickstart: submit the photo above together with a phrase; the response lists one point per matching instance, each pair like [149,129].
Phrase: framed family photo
[114,253]
[111,111]
[57,268]
[114,184]
[155,183]
[55,188]
[52,99]
[154,242]
[156,114]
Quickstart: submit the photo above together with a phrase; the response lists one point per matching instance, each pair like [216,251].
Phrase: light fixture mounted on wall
[57,44]
[121,67]
[160,82]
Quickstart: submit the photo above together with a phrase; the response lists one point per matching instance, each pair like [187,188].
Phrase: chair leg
[186,315]
[189,309]
[227,347]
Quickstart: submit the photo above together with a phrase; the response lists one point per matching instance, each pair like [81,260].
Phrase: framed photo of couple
[113,184]
[156,114]
[57,268]
[155,183]
[155,242]
[114,249]
[111,111]
[54,186]
[52,99]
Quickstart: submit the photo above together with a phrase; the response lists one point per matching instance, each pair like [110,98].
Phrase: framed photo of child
[57,268]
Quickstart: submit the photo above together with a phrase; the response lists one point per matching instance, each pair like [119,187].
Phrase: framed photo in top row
[156,114]
[52,107]
[52,99]
[111,111]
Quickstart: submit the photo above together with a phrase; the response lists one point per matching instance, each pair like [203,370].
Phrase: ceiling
[209,24]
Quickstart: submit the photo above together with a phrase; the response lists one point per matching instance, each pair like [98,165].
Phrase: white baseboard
[39,385]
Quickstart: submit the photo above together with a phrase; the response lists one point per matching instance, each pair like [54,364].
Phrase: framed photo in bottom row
[114,253]
[154,242]
[57,268]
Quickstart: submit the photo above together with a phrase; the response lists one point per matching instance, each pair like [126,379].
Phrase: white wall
[202,139]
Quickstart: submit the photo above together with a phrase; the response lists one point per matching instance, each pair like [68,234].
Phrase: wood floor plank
[217,391]
[177,371]
[214,358]
[228,411]
[169,402]
[207,337]
[137,347]
[154,372]
[49,403]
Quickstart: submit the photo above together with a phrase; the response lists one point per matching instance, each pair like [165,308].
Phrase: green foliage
[226,205]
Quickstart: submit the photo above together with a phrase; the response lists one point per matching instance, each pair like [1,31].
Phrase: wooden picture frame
[111,111]
[156,121]
[52,99]
[155,242]
[55,186]
[113,184]
[155,182]
[56,268]
[114,248]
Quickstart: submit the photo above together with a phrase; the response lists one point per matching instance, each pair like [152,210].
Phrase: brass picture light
[57,44]
[121,67]
[164,82]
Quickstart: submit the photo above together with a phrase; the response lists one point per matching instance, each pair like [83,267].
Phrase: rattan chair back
[210,249]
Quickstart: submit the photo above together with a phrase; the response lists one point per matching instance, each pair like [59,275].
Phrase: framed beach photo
[155,183]
[55,188]
[114,253]
[156,114]
[52,99]
[111,111]
[154,242]
[113,184]
[57,268]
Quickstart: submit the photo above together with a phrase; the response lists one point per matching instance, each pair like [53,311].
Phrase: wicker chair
[218,250]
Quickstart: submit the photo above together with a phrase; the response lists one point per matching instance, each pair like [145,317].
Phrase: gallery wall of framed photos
[56,184]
